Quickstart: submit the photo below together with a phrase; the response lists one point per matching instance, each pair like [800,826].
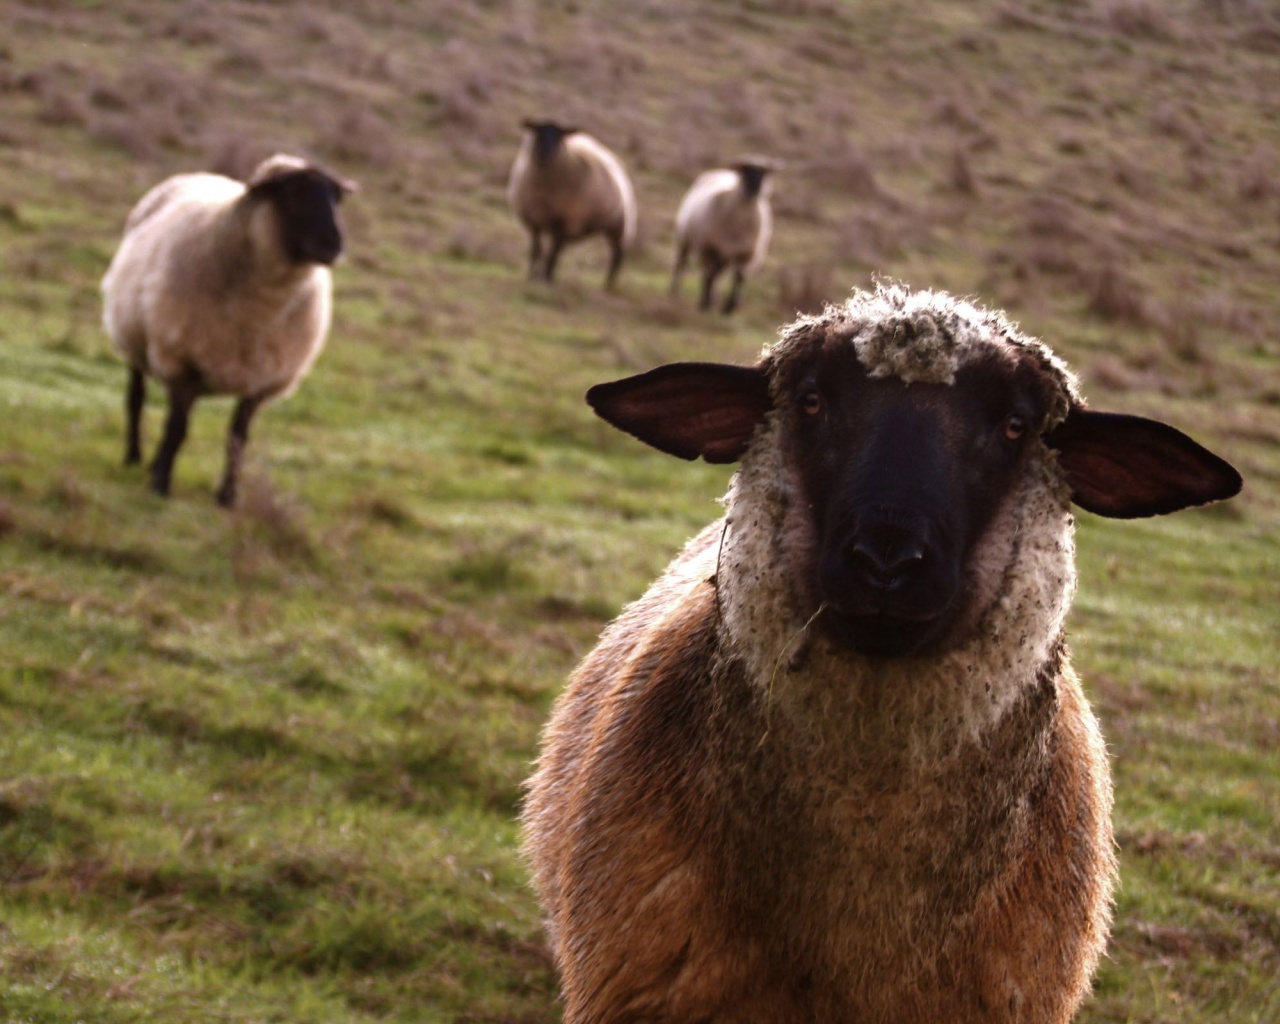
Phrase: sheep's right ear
[688,409]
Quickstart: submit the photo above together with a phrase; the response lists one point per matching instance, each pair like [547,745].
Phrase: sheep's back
[715,215]
[584,189]
[167,230]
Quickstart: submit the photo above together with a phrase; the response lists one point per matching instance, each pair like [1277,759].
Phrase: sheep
[568,184]
[726,219]
[835,765]
[222,288]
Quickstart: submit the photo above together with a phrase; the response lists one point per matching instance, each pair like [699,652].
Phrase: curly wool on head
[919,336]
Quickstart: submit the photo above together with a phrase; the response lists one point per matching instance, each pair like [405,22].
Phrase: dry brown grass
[359,136]
[806,289]
[1114,295]
[1141,19]
[960,177]
[1104,168]
[268,522]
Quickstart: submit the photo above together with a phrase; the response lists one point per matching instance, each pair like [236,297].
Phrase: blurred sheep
[726,220]
[222,288]
[567,184]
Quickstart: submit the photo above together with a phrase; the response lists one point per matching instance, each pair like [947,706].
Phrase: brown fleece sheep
[835,765]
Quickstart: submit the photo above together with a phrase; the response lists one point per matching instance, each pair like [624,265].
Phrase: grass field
[264,766]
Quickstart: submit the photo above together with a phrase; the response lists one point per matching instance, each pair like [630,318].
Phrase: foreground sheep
[568,185]
[222,289]
[835,765]
[725,219]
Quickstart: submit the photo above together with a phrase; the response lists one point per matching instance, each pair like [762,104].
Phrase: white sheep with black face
[569,185]
[835,765]
[223,288]
[725,220]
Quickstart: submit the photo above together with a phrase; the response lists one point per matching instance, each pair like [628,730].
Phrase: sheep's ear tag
[688,409]
[1127,467]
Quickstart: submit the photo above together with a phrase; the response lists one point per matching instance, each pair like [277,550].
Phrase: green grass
[265,766]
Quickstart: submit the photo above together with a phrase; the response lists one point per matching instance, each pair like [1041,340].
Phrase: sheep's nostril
[882,563]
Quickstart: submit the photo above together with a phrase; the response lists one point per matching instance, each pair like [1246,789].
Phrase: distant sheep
[726,221]
[567,184]
[222,289]
[835,765]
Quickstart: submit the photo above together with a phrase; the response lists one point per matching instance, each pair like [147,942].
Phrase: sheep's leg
[557,243]
[677,272]
[615,260]
[731,303]
[183,393]
[237,438]
[535,253]
[135,399]
[709,274]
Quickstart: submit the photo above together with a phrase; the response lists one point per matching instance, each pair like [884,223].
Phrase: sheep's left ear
[1127,467]
[343,186]
[688,409]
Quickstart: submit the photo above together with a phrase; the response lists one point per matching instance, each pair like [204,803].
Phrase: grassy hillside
[264,766]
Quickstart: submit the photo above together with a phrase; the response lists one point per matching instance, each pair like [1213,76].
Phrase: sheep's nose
[884,554]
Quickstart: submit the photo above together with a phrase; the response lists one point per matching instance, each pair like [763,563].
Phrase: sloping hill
[264,766]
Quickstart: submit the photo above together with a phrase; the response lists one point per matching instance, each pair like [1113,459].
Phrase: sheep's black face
[752,176]
[547,136]
[902,480]
[307,204]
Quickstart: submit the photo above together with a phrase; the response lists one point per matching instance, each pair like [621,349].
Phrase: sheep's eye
[1014,427]
[811,403]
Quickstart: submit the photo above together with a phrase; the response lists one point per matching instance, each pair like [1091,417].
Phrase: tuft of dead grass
[1140,19]
[269,521]
[196,23]
[468,243]
[1258,180]
[874,236]
[233,152]
[847,167]
[805,289]
[149,109]
[361,136]
[960,176]
[1114,295]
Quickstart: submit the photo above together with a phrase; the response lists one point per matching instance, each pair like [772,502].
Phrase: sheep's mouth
[880,634]
[324,253]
